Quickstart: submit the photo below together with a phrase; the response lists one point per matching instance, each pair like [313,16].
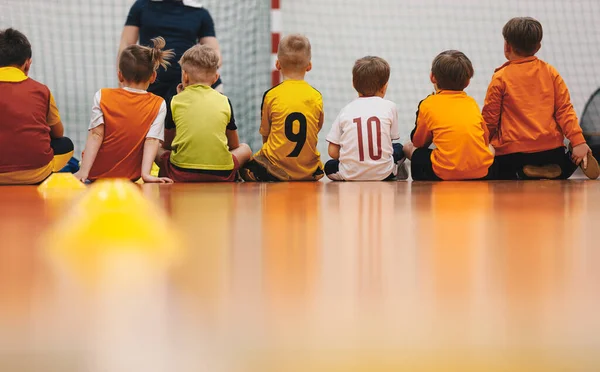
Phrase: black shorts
[510,167]
[259,169]
[332,167]
[421,167]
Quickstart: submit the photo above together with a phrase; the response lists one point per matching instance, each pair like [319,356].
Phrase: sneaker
[402,173]
[247,175]
[238,176]
[549,171]
[593,169]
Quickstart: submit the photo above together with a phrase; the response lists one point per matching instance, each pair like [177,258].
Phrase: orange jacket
[452,121]
[528,108]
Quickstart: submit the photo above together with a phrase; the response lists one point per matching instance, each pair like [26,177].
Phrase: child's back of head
[370,76]
[199,65]
[294,53]
[451,70]
[15,49]
[137,63]
[523,35]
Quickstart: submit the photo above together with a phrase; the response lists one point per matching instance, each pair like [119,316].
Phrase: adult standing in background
[183,24]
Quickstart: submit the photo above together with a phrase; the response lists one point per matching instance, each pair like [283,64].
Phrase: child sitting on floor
[292,116]
[127,124]
[528,112]
[451,120]
[32,145]
[206,147]
[360,140]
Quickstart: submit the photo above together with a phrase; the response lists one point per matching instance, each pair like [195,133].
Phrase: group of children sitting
[519,134]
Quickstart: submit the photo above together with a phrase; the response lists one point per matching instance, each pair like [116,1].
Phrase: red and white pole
[276,29]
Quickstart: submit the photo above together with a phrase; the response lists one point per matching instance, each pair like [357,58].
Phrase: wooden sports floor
[397,276]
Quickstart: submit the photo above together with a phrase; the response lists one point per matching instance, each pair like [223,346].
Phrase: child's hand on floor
[580,153]
[81,176]
[151,179]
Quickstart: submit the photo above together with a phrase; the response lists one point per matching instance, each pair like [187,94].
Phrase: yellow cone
[61,185]
[113,217]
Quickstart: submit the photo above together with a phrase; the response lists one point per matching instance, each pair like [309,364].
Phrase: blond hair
[137,63]
[370,74]
[200,60]
[294,52]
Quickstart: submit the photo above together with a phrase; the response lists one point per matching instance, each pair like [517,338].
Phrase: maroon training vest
[24,131]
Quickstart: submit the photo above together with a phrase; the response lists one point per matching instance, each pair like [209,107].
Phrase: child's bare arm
[265,139]
[150,149]
[334,150]
[233,140]
[92,146]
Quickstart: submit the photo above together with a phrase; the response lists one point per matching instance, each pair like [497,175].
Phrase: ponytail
[137,63]
[159,56]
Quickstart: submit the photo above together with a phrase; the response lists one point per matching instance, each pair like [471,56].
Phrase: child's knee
[243,153]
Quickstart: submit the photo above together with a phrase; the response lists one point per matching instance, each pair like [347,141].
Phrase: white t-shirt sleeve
[395,129]
[335,134]
[97,115]
[157,129]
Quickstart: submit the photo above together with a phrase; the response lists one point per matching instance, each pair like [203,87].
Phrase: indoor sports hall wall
[409,34]
[75,44]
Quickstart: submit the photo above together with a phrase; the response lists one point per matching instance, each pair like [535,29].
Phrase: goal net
[410,33]
[75,44]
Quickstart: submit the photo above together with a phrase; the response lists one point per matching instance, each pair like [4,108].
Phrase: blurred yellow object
[111,220]
[61,185]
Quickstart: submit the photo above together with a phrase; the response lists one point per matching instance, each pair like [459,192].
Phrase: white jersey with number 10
[364,130]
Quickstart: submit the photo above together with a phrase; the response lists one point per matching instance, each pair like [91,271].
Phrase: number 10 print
[372,154]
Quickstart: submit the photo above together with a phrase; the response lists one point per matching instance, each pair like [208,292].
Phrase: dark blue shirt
[181,26]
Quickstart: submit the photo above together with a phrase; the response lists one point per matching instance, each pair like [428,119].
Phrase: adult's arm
[129,36]
[131,31]
[212,42]
[208,36]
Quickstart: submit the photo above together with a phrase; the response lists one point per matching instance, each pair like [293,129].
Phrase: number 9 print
[300,137]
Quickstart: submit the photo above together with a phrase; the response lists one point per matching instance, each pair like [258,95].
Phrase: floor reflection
[320,277]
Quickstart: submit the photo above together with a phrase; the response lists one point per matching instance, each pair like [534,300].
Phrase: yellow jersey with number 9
[292,116]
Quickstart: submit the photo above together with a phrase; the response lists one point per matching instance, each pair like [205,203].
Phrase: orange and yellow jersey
[292,116]
[451,120]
